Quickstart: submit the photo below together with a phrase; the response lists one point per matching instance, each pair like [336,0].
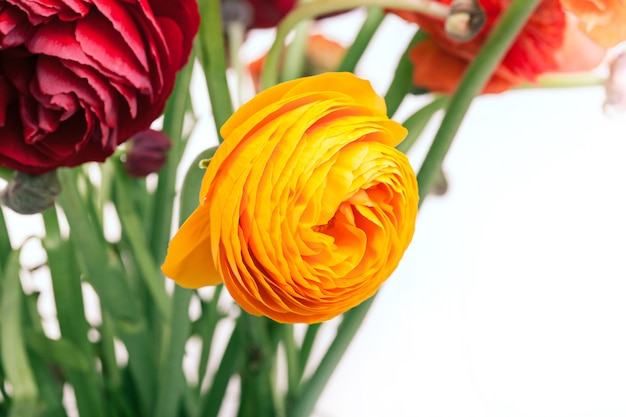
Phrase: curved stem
[476,76]
[213,58]
[321,7]
[375,17]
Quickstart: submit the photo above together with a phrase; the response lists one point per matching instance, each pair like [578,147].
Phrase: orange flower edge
[307,207]
[603,20]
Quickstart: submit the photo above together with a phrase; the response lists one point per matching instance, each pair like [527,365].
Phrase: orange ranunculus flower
[548,42]
[603,20]
[306,208]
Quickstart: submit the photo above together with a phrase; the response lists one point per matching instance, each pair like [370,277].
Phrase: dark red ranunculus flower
[79,77]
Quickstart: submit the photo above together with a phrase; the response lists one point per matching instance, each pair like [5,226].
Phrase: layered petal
[81,77]
[306,208]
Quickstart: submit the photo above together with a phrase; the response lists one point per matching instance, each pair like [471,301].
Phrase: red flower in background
[79,77]
[268,13]
[603,20]
[260,14]
[441,61]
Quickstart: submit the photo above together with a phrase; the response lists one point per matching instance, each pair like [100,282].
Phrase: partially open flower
[551,41]
[441,61]
[147,153]
[306,208]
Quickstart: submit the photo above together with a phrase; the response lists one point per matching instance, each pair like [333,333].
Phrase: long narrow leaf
[12,346]
[67,288]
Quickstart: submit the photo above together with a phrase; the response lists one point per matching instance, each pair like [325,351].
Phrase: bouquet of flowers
[186,270]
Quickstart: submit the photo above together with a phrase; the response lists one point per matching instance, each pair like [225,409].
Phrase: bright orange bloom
[306,208]
[441,61]
[603,20]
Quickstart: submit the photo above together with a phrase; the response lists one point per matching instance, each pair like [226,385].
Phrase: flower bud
[31,194]
[147,153]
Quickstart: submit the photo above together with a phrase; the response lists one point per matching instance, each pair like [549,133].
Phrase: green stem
[162,208]
[311,10]
[295,54]
[375,17]
[567,81]
[171,379]
[133,233]
[256,388]
[418,121]
[213,58]
[294,369]
[312,389]
[475,78]
[232,359]
[402,78]
[307,345]
[5,242]
[211,316]
[236,36]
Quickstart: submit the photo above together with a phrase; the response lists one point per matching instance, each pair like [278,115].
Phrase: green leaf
[135,235]
[205,327]
[232,359]
[94,253]
[50,388]
[191,185]
[68,297]
[5,243]
[61,352]
[171,378]
[212,55]
[13,350]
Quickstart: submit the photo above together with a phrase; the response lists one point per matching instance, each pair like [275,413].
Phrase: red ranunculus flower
[78,77]
[441,61]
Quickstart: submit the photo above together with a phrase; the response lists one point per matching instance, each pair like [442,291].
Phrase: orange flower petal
[603,20]
[578,52]
[311,207]
[430,59]
[188,260]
